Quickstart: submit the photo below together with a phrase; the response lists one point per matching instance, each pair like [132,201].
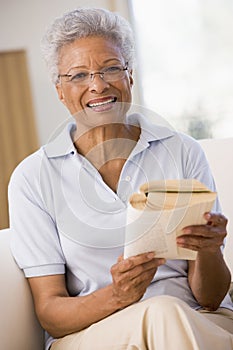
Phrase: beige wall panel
[18,136]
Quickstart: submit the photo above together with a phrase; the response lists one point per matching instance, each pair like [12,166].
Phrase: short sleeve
[35,242]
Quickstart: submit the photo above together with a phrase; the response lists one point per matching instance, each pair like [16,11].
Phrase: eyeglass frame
[92,75]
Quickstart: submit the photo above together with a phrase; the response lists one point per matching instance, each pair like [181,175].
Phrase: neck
[107,142]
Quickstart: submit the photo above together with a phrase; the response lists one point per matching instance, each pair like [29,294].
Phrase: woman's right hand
[61,314]
[132,276]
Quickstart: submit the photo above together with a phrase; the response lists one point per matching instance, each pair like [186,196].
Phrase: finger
[213,220]
[197,230]
[133,290]
[216,219]
[142,280]
[207,231]
[130,263]
[199,242]
[210,237]
[143,268]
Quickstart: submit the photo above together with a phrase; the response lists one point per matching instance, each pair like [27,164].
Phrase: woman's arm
[208,275]
[60,314]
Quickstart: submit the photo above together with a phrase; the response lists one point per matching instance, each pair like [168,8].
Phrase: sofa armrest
[19,327]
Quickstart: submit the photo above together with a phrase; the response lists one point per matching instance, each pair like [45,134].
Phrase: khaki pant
[158,323]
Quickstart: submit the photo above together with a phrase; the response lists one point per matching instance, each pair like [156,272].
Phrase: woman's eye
[79,76]
[113,69]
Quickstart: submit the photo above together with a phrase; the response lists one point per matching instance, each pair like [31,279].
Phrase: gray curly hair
[81,23]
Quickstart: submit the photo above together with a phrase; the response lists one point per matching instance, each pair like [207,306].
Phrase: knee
[164,305]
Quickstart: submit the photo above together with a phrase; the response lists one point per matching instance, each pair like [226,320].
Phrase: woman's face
[97,101]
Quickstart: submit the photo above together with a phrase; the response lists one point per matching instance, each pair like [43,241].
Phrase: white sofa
[219,153]
[19,328]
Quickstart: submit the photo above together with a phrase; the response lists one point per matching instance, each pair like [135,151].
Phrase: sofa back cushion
[219,153]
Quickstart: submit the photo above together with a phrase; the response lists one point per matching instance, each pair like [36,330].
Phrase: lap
[221,317]
[143,323]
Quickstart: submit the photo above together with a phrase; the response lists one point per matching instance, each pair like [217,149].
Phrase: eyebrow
[105,62]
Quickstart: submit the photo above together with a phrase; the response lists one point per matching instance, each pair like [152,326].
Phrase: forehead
[89,51]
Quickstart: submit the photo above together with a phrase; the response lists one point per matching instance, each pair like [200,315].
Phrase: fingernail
[151,255]
[187,230]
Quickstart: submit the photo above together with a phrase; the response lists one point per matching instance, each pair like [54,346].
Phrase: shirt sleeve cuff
[44,270]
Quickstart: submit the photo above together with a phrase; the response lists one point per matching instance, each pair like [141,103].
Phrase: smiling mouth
[102,103]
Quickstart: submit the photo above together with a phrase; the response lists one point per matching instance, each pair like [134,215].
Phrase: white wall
[22,24]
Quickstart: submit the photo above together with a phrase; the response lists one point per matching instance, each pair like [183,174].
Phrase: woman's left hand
[205,238]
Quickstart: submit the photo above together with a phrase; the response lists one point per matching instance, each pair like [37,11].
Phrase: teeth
[96,104]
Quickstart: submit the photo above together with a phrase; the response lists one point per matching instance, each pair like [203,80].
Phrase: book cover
[157,214]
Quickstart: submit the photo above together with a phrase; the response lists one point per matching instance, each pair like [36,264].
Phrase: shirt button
[128,178]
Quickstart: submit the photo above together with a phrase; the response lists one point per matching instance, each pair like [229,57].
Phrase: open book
[157,214]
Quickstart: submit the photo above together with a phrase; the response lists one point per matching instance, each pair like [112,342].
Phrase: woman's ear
[60,93]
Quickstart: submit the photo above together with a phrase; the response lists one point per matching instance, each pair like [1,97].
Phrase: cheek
[126,91]
[129,93]
[73,100]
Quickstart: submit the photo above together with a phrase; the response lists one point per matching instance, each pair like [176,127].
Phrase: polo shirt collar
[62,144]
[151,131]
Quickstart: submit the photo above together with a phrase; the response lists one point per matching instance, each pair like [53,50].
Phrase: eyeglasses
[84,77]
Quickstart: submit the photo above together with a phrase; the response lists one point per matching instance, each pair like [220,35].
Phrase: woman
[68,206]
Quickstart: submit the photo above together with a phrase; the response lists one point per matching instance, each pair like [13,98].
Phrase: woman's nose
[98,84]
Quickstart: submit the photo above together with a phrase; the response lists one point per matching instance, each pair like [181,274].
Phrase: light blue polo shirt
[67,220]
